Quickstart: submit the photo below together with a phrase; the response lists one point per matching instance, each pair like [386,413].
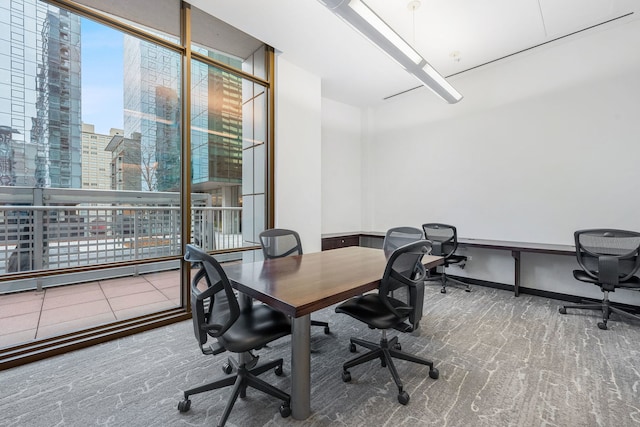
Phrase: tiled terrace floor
[30,315]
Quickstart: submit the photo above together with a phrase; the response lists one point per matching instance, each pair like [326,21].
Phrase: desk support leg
[516,281]
[246,302]
[301,368]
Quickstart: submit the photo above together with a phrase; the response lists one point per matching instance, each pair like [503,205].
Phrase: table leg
[516,280]
[301,368]
[246,303]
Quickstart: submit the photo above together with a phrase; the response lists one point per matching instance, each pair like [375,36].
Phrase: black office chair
[381,311]
[609,259]
[216,313]
[279,243]
[445,243]
[399,236]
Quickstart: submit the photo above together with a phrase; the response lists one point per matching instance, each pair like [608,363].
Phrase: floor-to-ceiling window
[110,113]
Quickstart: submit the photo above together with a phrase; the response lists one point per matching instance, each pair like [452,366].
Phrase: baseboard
[545,294]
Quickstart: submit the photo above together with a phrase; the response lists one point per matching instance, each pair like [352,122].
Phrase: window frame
[43,348]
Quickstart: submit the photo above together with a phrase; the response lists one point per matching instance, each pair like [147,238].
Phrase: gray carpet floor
[503,361]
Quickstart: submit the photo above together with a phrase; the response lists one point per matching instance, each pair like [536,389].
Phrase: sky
[102,76]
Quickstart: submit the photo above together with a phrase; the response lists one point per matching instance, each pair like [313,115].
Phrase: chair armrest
[215,348]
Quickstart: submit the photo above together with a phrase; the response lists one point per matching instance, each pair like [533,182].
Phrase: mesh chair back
[214,308]
[280,242]
[607,255]
[405,269]
[399,236]
[444,238]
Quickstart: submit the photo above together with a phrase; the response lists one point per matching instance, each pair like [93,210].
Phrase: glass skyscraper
[152,109]
[152,112]
[40,94]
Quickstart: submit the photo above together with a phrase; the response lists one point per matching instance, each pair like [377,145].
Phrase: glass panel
[222,165]
[89,164]
[215,120]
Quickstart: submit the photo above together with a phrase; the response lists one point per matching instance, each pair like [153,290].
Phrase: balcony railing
[111,228]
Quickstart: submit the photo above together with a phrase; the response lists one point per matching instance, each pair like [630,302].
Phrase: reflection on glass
[89,143]
[90,155]
[151,117]
[224,166]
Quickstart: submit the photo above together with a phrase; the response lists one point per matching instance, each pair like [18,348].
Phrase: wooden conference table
[299,285]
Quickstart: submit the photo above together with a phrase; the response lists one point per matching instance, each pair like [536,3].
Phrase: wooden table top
[299,285]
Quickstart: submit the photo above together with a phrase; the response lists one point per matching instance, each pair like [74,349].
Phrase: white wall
[521,157]
[341,167]
[298,153]
[542,144]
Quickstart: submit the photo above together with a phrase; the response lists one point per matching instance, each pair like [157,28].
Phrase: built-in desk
[340,241]
[374,239]
[516,249]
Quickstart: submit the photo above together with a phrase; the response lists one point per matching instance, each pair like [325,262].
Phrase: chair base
[605,307]
[244,378]
[324,324]
[386,351]
[231,364]
[446,280]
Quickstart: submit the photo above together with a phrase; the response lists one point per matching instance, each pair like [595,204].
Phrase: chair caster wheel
[327,331]
[383,362]
[183,406]
[467,290]
[278,371]
[403,397]
[397,346]
[443,291]
[285,410]
[434,373]
[227,368]
[346,376]
[602,325]
[352,348]
[562,310]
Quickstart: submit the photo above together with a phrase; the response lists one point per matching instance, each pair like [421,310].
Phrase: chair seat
[633,282]
[370,310]
[255,328]
[455,259]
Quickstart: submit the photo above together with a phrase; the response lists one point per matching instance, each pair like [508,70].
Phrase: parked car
[98,227]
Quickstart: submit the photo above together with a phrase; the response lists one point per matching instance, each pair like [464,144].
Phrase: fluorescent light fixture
[364,20]
[376,22]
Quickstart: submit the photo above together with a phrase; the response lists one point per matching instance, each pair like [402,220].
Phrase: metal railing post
[38,235]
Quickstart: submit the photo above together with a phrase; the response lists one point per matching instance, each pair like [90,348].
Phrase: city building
[151,111]
[152,114]
[96,160]
[125,162]
[40,97]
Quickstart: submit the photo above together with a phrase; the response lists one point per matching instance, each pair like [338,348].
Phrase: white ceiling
[454,36]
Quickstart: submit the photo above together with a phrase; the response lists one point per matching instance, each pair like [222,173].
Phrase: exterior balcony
[68,266]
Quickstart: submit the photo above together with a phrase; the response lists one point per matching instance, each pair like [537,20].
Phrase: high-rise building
[96,160]
[40,96]
[152,110]
[216,139]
